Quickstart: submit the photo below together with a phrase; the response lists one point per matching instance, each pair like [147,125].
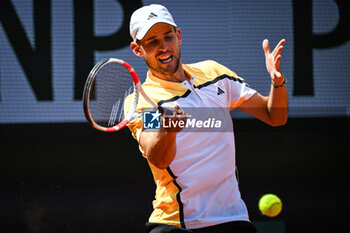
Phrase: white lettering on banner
[192,123]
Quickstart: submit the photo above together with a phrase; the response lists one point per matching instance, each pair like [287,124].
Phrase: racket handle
[166,111]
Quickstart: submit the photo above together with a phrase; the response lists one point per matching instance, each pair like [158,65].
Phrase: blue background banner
[47,50]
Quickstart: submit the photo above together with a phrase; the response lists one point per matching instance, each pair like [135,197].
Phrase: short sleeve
[239,90]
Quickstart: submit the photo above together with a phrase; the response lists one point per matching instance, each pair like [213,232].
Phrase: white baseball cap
[144,18]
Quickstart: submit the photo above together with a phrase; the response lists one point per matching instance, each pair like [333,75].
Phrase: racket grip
[166,111]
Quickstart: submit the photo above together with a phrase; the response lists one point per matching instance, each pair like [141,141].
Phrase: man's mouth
[165,58]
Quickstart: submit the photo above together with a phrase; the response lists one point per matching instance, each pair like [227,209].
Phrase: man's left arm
[271,109]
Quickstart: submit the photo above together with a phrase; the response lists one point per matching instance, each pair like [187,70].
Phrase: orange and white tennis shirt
[199,188]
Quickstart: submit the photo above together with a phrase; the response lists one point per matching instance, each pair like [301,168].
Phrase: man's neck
[179,76]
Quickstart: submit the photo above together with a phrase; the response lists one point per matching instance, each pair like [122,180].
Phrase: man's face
[160,49]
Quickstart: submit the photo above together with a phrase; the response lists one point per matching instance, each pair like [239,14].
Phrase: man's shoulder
[210,69]
[207,65]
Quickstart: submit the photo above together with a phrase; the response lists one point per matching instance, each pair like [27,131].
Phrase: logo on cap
[152,15]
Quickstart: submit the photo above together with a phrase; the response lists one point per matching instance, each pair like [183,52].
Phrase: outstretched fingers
[266,46]
[278,62]
[279,47]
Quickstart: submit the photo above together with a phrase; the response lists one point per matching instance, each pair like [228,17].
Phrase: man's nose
[163,46]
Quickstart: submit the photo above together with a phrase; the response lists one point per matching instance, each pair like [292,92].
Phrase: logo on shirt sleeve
[220,91]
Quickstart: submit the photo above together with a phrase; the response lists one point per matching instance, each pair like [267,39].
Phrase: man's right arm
[159,146]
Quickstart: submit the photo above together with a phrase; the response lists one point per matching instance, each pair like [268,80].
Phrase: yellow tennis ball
[270,205]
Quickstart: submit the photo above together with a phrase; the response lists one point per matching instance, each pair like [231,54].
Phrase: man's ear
[136,49]
[179,36]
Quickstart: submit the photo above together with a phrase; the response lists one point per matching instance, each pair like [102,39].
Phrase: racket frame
[137,89]
[87,90]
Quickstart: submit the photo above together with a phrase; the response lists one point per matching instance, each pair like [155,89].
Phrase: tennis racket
[110,81]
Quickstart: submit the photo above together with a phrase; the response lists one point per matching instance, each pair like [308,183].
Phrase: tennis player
[197,189]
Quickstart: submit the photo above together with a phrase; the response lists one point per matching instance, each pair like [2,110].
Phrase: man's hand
[273,61]
[177,121]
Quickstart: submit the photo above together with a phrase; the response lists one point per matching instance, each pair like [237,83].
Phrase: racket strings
[112,84]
